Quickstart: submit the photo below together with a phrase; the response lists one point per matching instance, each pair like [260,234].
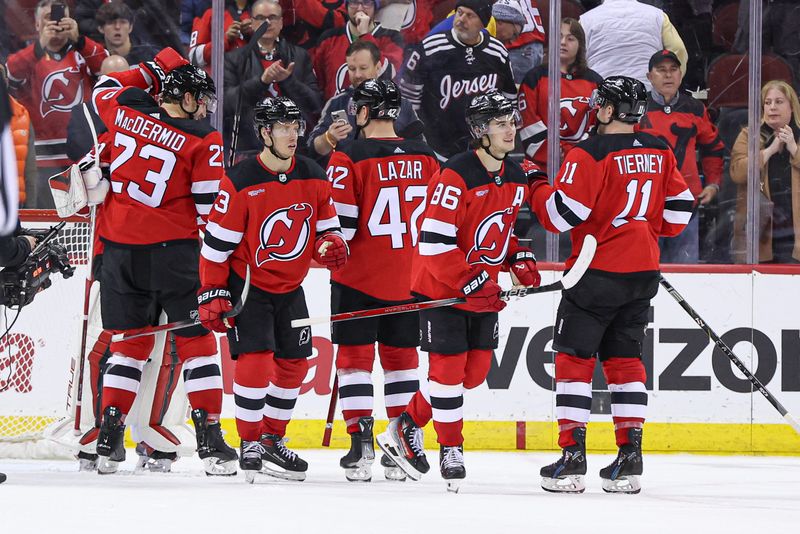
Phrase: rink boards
[697,400]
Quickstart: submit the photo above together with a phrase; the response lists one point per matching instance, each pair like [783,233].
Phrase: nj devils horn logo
[62,90]
[284,234]
[491,238]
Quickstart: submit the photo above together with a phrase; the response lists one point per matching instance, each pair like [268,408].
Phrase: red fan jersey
[329,56]
[576,119]
[379,188]
[626,191]
[685,126]
[468,223]
[417,22]
[200,41]
[49,85]
[269,221]
[533,31]
[305,20]
[165,171]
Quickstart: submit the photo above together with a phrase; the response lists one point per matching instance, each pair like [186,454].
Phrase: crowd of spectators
[442,52]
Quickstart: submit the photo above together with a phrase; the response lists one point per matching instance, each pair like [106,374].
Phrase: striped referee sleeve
[219,242]
[9,184]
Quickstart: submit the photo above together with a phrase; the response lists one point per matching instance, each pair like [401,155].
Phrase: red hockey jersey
[329,56]
[417,22]
[626,191]
[379,188]
[576,118]
[468,222]
[49,85]
[533,31]
[200,41]
[269,221]
[685,126]
[165,172]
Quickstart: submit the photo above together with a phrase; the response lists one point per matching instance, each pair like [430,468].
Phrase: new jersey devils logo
[62,90]
[491,238]
[284,234]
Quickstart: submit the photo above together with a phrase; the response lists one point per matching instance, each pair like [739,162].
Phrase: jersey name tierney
[639,163]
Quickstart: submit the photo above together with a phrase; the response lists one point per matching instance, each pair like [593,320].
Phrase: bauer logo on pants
[285,233]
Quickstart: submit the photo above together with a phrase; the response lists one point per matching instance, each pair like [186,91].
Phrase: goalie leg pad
[249,391]
[282,393]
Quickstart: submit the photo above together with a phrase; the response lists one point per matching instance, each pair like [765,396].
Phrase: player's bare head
[363,60]
[492,121]
[114,63]
[375,100]
[471,17]
[279,124]
[192,90]
[619,98]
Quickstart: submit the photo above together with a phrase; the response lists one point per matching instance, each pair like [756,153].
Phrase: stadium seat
[724,22]
[569,8]
[728,78]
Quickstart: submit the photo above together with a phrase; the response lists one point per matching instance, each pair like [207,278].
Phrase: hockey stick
[177,325]
[731,356]
[567,281]
[326,436]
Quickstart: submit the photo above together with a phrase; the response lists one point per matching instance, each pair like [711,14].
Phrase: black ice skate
[219,459]
[251,459]
[357,463]
[390,469]
[622,476]
[280,462]
[110,441]
[566,475]
[87,461]
[402,442]
[451,465]
[152,460]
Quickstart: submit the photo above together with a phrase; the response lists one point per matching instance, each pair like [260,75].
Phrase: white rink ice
[681,494]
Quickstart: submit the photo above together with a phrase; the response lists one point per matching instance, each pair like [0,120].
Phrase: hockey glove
[164,62]
[523,268]
[212,304]
[331,251]
[482,293]
[536,175]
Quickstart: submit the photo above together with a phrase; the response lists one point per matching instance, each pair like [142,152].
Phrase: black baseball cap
[662,55]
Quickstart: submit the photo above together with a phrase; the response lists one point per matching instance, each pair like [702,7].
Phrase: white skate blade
[567,484]
[394,474]
[361,473]
[624,484]
[106,466]
[214,468]
[454,484]
[259,476]
[392,449]
[85,465]
[147,464]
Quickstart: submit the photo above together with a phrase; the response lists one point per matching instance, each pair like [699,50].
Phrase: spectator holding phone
[50,77]
[338,121]
[275,67]
[238,29]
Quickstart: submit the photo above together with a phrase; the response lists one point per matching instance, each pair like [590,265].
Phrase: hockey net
[39,353]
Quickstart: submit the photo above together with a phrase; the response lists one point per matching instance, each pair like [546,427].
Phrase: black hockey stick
[177,325]
[729,353]
[247,52]
[569,280]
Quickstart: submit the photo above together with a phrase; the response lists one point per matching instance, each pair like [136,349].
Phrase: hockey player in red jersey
[165,170]
[379,187]
[625,189]
[466,238]
[274,213]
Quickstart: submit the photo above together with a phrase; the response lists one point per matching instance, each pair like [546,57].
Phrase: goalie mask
[381,97]
[192,80]
[627,95]
[281,118]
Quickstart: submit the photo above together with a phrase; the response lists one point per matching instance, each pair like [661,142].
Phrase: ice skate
[391,471]
[357,463]
[152,460]
[622,476]
[219,459]
[251,459]
[451,465]
[110,442]
[87,461]
[566,475]
[402,442]
[280,462]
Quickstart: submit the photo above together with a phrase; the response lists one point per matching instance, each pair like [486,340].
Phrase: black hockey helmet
[627,95]
[278,109]
[486,107]
[382,97]
[193,80]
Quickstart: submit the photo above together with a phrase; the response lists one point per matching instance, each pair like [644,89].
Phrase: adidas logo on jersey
[636,142]
[399,150]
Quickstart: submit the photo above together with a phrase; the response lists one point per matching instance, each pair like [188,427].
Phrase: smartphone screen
[57,12]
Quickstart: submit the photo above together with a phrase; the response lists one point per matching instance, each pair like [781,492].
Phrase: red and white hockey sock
[282,393]
[573,395]
[446,383]
[400,377]
[202,380]
[626,378]
[121,382]
[249,391]
[419,408]
[356,393]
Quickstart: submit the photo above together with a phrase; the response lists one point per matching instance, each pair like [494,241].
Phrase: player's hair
[112,11]
[270,2]
[580,65]
[47,3]
[788,92]
[359,45]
